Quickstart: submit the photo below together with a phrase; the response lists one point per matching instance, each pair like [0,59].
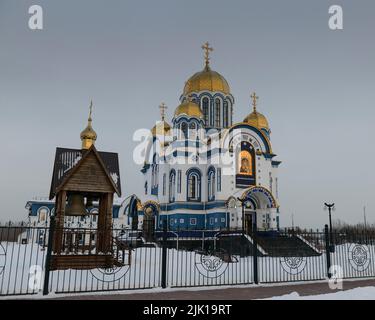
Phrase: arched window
[156,175]
[192,131]
[164,184]
[184,130]
[225,114]
[211,184]
[217,112]
[218,179]
[205,110]
[193,185]
[172,186]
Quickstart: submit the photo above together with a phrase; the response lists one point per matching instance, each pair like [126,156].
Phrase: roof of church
[67,159]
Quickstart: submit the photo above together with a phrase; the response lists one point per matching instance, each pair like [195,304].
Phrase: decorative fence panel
[354,254]
[209,261]
[294,257]
[22,259]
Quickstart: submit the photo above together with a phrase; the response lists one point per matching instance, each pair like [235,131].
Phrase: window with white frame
[219,179]
[217,112]
[205,107]
[194,187]
[193,221]
[179,176]
[211,185]
[172,186]
[164,184]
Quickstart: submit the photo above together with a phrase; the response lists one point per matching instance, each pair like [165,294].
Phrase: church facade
[203,171]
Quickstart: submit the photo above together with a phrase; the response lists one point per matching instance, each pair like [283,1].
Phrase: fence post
[47,266]
[328,250]
[164,257]
[255,253]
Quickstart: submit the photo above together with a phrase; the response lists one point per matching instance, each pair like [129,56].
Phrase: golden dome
[257,120]
[88,135]
[206,79]
[161,128]
[190,109]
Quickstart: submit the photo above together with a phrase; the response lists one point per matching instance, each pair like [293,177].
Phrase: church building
[203,171]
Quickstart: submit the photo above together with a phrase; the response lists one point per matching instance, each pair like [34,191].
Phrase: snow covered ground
[365,293]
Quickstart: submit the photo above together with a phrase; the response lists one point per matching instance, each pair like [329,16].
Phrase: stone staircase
[275,245]
[286,246]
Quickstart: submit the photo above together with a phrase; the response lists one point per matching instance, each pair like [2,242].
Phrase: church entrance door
[148,227]
[248,222]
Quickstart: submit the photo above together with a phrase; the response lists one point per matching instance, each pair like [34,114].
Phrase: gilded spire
[207,49]
[255,98]
[88,136]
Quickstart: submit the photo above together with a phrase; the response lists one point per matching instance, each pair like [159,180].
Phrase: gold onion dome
[161,127]
[189,108]
[206,79]
[88,135]
[255,118]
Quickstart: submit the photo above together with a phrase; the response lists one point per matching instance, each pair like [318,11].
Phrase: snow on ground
[364,293]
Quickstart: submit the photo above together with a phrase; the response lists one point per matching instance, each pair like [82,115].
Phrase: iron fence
[135,260]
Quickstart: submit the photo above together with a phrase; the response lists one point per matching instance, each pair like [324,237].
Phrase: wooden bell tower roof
[85,171]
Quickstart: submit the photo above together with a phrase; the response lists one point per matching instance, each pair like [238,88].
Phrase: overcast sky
[316,86]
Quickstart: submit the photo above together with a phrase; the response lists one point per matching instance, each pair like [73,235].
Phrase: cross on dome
[255,98]
[207,49]
[163,108]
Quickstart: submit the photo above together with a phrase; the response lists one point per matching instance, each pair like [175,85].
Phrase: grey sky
[316,87]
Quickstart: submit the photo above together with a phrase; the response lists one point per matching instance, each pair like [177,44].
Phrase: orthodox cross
[255,98]
[90,114]
[206,47]
[163,108]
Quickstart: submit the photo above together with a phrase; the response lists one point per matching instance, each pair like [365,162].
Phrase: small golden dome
[257,120]
[190,109]
[161,128]
[206,79]
[88,135]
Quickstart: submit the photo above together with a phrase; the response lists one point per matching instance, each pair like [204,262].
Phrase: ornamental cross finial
[163,108]
[207,49]
[255,98]
[90,114]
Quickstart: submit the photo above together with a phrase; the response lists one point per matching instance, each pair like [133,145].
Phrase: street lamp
[330,207]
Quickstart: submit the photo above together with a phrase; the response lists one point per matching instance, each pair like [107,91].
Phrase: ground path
[237,293]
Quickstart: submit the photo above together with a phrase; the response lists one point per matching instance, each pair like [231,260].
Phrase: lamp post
[330,207]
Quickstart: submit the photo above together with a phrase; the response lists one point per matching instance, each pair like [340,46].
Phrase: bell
[89,202]
[76,206]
